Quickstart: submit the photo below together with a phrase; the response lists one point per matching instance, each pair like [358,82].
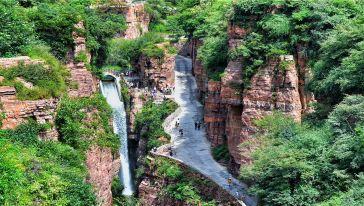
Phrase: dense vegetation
[319,161]
[85,122]
[38,172]
[305,165]
[181,183]
[32,22]
[125,52]
[35,172]
[150,120]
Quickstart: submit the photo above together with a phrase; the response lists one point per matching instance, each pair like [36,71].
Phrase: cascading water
[110,92]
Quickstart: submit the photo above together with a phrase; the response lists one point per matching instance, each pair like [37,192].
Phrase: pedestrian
[196,124]
[199,125]
[229,181]
[177,124]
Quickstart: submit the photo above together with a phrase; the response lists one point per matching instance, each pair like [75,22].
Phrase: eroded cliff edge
[232,106]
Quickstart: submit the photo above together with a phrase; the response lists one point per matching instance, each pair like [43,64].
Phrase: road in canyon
[193,149]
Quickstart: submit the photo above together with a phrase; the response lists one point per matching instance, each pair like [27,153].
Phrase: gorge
[187,102]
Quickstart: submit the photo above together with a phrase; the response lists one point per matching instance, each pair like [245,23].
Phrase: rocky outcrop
[16,111]
[230,110]
[83,83]
[272,88]
[197,68]
[137,20]
[215,114]
[102,167]
[157,72]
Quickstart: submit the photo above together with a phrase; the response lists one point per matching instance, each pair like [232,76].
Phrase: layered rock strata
[84,84]
[16,111]
[102,167]
[230,110]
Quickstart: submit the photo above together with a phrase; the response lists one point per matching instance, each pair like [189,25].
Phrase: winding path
[192,148]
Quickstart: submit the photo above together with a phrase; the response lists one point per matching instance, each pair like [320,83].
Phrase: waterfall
[110,91]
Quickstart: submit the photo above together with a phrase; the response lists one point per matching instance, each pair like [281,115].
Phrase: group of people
[198,125]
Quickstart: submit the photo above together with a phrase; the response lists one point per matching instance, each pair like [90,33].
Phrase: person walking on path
[177,123]
[196,125]
[199,125]
[229,181]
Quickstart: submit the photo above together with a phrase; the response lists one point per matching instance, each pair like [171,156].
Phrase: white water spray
[110,92]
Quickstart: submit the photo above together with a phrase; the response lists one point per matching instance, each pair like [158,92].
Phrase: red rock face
[137,20]
[272,89]
[231,111]
[86,84]
[155,72]
[215,114]
[101,168]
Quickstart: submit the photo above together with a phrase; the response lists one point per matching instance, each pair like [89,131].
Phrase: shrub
[221,152]
[84,122]
[124,52]
[151,117]
[43,172]
[15,31]
[49,81]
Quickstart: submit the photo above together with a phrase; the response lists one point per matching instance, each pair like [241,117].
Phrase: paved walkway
[192,148]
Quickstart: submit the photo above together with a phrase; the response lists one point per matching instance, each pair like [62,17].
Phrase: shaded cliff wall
[157,72]
[230,110]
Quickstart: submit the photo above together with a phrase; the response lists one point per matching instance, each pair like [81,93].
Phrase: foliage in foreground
[37,172]
[301,165]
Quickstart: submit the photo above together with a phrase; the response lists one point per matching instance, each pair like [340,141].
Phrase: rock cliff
[230,109]
[157,72]
[137,20]
[85,83]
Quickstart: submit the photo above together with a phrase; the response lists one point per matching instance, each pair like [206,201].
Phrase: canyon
[230,110]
